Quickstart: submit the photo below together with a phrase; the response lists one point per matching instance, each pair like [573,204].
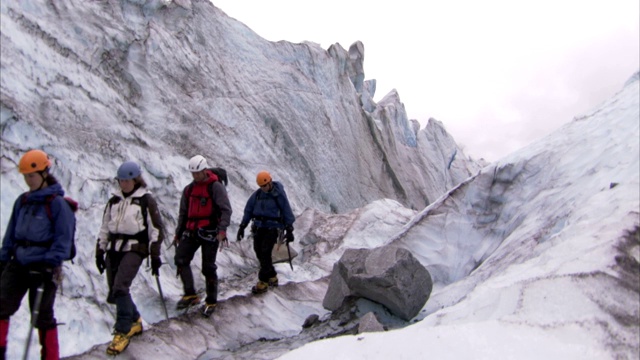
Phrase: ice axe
[34,314]
[164,305]
[289,253]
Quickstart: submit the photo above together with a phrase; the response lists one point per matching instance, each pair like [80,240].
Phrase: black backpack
[221,174]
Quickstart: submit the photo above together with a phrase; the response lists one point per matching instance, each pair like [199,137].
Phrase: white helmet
[197,163]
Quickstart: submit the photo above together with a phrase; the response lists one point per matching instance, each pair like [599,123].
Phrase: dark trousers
[15,282]
[184,255]
[263,241]
[122,268]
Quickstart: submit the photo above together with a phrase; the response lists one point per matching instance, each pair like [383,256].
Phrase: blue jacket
[29,222]
[269,209]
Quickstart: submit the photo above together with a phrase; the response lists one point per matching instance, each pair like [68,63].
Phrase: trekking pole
[164,305]
[289,252]
[34,316]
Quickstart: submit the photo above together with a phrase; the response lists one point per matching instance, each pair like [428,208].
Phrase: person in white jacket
[131,229]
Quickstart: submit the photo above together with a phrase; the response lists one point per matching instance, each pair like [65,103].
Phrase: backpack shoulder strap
[112,201]
[210,189]
[144,206]
[47,205]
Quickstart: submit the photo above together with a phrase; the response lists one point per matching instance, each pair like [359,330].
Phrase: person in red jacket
[33,249]
[203,218]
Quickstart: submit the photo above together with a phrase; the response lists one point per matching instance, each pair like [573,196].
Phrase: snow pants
[185,252]
[122,268]
[15,281]
[263,241]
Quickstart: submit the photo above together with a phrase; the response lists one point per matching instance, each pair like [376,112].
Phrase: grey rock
[369,323]
[387,275]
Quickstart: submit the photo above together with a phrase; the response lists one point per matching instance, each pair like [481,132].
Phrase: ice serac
[124,80]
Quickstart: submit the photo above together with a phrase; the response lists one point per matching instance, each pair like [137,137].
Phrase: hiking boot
[136,328]
[208,309]
[188,300]
[119,343]
[261,287]
[273,282]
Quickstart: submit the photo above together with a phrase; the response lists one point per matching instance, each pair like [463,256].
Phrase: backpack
[221,174]
[74,207]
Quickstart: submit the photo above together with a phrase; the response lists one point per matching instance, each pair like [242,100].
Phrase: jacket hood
[42,194]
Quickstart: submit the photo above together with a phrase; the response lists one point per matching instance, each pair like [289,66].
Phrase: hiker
[33,250]
[131,229]
[270,211]
[205,213]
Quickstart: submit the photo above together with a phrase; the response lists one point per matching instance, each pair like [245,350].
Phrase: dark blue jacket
[29,222]
[269,209]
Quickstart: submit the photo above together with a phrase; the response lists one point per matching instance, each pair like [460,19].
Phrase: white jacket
[126,218]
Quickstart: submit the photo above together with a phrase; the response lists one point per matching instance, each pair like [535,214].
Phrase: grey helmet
[128,170]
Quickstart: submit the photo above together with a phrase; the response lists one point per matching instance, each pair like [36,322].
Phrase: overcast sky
[498,74]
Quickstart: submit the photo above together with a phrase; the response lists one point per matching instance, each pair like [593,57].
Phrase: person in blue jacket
[37,240]
[271,213]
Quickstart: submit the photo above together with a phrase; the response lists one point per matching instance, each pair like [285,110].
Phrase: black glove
[240,235]
[100,263]
[155,266]
[288,233]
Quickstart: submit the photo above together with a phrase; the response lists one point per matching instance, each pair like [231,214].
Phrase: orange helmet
[34,161]
[263,178]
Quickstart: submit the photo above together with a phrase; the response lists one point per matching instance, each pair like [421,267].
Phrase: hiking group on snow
[40,236]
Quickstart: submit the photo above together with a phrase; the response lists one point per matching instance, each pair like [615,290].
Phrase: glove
[100,263]
[240,235]
[155,266]
[288,233]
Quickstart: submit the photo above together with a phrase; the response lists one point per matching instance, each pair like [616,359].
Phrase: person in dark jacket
[203,218]
[271,212]
[37,240]
[131,230]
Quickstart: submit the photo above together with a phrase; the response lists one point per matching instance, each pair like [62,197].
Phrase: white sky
[527,67]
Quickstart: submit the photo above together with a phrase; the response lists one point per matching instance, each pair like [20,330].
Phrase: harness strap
[27,243]
[113,238]
[267,218]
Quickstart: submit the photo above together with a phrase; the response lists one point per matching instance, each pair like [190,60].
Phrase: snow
[557,292]
[529,255]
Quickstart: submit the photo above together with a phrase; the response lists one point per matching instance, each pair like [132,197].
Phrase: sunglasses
[264,186]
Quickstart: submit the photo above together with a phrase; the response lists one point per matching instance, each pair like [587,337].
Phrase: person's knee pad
[119,292]
[209,271]
[180,261]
